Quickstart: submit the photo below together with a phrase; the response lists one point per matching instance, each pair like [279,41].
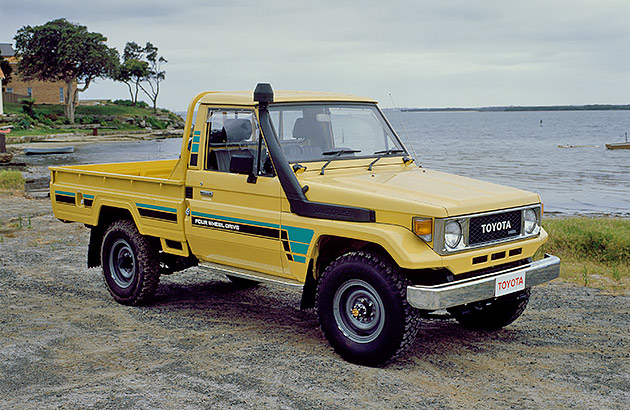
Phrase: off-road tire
[363,311]
[130,261]
[492,314]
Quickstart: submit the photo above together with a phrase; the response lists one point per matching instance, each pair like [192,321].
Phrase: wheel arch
[327,249]
[106,216]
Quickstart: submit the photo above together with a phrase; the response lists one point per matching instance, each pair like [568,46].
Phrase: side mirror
[242,164]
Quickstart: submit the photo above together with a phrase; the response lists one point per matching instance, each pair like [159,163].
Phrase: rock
[6,157]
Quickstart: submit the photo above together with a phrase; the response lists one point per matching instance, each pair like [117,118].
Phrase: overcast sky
[438,53]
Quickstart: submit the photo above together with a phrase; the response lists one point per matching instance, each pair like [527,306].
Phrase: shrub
[86,119]
[11,180]
[155,123]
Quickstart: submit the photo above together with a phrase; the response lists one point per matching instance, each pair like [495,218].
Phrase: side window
[233,138]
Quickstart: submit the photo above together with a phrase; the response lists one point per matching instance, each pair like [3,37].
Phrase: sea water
[519,149]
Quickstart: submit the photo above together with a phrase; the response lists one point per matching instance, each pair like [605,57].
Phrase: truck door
[234,215]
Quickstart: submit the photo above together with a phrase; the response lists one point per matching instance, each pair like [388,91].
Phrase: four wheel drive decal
[295,240]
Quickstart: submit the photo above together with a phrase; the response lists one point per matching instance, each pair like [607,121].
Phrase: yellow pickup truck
[314,191]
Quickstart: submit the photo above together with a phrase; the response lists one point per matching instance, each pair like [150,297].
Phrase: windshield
[319,132]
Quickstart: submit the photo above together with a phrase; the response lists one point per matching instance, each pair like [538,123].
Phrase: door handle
[209,194]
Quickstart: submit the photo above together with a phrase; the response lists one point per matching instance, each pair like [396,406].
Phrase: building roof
[6,50]
[247,97]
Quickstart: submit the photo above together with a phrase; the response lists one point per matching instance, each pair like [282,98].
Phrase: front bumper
[480,288]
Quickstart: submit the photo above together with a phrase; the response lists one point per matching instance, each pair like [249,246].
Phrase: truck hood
[412,190]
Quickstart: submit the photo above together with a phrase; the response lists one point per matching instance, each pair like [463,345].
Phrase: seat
[219,159]
[311,131]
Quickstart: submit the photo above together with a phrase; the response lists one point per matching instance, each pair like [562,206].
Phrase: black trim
[65,199]
[194,159]
[300,205]
[88,202]
[152,213]
[189,192]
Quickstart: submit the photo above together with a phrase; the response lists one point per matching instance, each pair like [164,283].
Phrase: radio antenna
[408,140]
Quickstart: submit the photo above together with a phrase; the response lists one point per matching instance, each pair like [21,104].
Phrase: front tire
[363,310]
[492,314]
[131,267]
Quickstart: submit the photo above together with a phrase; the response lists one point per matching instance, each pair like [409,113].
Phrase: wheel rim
[358,310]
[122,263]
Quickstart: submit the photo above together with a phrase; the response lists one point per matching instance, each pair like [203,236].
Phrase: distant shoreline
[590,107]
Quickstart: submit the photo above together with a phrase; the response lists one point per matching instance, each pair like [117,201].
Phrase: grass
[11,180]
[594,251]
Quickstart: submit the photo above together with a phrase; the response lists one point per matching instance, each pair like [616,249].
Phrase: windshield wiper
[386,152]
[335,154]
[390,151]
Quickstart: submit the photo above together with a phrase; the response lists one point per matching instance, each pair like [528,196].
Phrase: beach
[208,343]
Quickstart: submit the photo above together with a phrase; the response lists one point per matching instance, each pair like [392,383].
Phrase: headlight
[452,234]
[531,221]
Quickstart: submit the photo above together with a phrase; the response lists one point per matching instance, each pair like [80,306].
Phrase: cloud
[426,53]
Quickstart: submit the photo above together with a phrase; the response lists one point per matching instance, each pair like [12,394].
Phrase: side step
[254,276]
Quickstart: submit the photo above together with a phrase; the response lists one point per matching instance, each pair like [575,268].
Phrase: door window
[234,133]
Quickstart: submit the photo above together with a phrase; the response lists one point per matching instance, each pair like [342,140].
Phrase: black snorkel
[300,205]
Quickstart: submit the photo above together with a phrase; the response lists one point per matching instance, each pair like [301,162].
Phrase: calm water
[510,148]
[513,148]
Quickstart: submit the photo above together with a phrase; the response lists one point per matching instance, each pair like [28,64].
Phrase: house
[44,92]
[1,104]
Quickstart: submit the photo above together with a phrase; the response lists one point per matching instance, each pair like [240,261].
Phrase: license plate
[509,283]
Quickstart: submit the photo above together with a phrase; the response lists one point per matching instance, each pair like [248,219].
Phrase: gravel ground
[207,343]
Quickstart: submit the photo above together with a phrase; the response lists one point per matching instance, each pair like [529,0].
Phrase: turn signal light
[423,227]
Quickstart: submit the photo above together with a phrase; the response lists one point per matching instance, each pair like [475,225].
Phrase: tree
[64,51]
[6,68]
[132,70]
[155,76]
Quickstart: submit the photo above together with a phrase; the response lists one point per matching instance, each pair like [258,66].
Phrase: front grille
[494,227]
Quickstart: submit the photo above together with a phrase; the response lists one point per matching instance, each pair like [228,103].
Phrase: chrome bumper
[480,288]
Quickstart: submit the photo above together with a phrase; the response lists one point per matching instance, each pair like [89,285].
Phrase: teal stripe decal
[299,234]
[86,196]
[300,259]
[65,193]
[157,208]
[196,139]
[300,248]
[197,133]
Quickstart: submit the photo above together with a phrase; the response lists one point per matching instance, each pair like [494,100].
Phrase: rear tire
[131,266]
[492,314]
[363,310]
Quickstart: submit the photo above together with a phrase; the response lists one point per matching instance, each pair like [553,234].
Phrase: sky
[403,53]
